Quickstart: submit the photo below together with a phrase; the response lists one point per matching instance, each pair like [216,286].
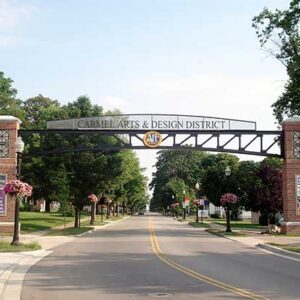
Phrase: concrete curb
[11,279]
[277,250]
[95,227]
[265,247]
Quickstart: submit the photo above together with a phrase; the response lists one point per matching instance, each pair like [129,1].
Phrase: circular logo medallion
[152,139]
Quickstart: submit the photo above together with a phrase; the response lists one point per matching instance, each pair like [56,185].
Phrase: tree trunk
[93,211]
[228,227]
[123,209]
[77,218]
[47,205]
[117,210]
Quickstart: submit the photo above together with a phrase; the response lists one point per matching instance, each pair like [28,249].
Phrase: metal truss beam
[261,143]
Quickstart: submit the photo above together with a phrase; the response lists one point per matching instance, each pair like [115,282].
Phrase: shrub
[25,207]
[68,211]
[215,216]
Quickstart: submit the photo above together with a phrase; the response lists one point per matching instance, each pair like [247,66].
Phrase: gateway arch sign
[152,122]
[166,132]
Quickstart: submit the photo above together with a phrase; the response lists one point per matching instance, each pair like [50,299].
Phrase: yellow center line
[158,252]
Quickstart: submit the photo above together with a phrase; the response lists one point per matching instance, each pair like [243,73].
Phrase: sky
[196,57]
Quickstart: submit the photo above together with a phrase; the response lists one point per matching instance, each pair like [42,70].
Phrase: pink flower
[93,198]
[196,202]
[17,187]
[228,198]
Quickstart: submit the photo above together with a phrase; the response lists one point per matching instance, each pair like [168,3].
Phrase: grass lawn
[7,247]
[287,247]
[115,218]
[199,225]
[241,225]
[68,231]
[97,222]
[36,221]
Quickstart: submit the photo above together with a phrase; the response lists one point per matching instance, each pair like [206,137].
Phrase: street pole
[197,187]
[184,212]
[16,236]
[227,211]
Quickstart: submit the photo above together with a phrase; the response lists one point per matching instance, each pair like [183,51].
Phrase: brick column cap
[10,119]
[291,120]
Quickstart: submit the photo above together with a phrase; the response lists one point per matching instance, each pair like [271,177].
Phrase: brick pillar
[291,176]
[9,126]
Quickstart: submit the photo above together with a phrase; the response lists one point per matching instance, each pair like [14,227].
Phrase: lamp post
[183,204]
[197,187]
[227,174]
[19,150]
[173,197]
[227,171]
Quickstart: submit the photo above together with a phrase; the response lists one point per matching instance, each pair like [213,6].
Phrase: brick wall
[8,167]
[291,168]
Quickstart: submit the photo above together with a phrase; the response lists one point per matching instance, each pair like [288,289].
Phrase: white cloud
[218,95]
[111,103]
[12,12]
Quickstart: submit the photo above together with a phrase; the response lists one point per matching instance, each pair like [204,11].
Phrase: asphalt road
[150,257]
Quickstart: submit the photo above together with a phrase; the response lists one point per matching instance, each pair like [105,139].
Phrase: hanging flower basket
[18,188]
[196,202]
[93,198]
[228,198]
[174,205]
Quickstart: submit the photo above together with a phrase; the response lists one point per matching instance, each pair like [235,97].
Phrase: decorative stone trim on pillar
[9,127]
[291,176]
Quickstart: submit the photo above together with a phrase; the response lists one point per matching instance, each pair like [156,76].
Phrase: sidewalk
[14,265]
[261,241]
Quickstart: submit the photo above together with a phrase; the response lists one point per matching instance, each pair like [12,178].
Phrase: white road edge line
[277,254]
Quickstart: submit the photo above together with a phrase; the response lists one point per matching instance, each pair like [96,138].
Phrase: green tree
[269,199]
[176,170]
[214,182]
[9,104]
[247,183]
[280,29]
[41,109]
[41,169]
[82,107]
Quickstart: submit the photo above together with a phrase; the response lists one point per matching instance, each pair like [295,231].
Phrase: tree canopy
[258,185]
[278,32]
[69,178]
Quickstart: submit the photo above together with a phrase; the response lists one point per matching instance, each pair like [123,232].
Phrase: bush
[25,207]
[68,211]
[263,220]
[215,216]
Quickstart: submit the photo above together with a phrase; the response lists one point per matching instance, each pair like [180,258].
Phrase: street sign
[187,201]
[3,178]
[297,194]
